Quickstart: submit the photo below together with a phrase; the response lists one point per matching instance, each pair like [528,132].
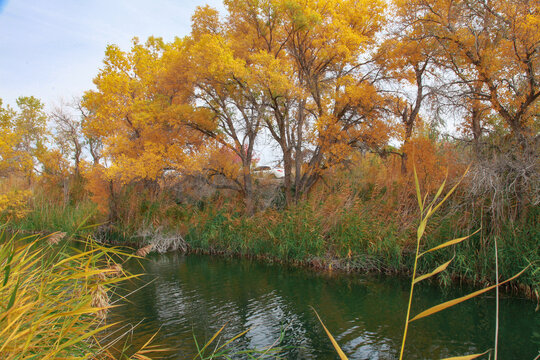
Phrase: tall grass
[47,216]
[54,299]
[427,210]
[369,228]
[350,224]
[358,218]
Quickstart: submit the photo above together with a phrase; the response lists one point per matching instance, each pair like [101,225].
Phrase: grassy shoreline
[349,240]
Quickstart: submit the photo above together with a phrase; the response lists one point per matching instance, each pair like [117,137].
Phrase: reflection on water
[196,295]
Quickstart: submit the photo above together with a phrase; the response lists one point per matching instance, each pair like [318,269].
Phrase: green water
[196,295]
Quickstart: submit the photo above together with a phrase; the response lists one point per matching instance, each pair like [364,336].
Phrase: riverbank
[358,237]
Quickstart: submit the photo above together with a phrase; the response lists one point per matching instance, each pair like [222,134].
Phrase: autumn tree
[409,67]
[24,137]
[68,133]
[478,114]
[328,50]
[9,157]
[135,130]
[492,43]
[91,141]
[63,163]
[228,104]
[492,48]
[305,61]
[141,130]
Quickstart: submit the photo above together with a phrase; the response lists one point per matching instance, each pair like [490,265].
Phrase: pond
[196,295]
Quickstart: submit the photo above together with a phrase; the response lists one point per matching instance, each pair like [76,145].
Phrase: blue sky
[52,49]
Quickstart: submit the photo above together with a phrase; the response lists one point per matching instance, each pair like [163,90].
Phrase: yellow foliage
[425,155]
[98,186]
[22,134]
[493,44]
[140,127]
[13,204]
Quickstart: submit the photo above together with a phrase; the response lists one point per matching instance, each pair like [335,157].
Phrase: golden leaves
[135,116]
[492,43]
[13,204]
[23,135]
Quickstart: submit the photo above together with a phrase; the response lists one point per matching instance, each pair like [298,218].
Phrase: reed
[215,349]
[55,299]
[427,210]
[47,216]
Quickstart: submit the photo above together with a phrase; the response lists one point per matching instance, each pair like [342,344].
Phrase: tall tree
[496,43]
[141,130]
[24,134]
[68,133]
[224,91]
[408,66]
[307,59]
[10,161]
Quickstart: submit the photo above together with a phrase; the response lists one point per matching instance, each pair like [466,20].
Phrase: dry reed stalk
[100,300]
[55,238]
[115,270]
[142,252]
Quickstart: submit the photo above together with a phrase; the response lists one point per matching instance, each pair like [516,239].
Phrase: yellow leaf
[418,195]
[449,243]
[421,229]
[340,352]
[434,272]
[432,211]
[439,192]
[446,305]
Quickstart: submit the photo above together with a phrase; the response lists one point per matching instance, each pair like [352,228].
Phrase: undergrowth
[361,220]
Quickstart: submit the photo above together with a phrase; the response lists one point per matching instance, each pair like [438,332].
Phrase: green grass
[359,236]
[47,216]
[357,240]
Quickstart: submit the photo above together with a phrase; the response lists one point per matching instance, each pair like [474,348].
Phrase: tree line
[322,79]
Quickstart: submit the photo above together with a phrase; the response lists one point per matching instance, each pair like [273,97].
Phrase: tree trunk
[404,158]
[404,155]
[299,158]
[248,186]
[113,206]
[287,180]
[65,188]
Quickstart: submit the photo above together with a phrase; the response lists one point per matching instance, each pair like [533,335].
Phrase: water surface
[196,295]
